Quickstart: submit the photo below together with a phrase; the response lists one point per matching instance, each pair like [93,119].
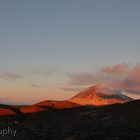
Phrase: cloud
[50,71]
[46,71]
[116,69]
[71,89]
[9,101]
[10,76]
[106,74]
[86,78]
[34,85]
[133,91]
[119,76]
[130,81]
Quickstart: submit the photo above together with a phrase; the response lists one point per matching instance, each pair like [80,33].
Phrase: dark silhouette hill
[112,122]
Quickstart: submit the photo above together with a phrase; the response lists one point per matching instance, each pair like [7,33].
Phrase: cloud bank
[87,78]
[10,76]
[72,89]
[120,76]
[131,79]
[117,69]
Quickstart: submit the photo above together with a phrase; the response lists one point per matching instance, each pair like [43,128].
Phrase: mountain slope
[56,104]
[100,95]
[31,109]
[9,110]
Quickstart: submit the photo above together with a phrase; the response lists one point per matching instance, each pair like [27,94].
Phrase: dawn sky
[45,43]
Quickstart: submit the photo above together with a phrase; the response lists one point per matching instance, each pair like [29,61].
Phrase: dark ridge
[113,122]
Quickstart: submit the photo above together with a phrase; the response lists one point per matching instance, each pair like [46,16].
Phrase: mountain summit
[98,95]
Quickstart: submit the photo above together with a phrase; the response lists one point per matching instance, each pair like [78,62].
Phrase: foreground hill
[31,109]
[56,104]
[9,110]
[113,122]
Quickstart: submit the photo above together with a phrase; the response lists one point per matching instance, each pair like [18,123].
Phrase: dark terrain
[113,122]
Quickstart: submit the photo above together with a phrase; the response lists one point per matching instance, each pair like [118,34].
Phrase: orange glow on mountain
[5,111]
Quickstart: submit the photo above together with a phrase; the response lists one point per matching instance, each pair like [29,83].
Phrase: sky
[50,49]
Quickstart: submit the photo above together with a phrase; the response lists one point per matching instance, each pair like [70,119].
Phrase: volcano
[99,95]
